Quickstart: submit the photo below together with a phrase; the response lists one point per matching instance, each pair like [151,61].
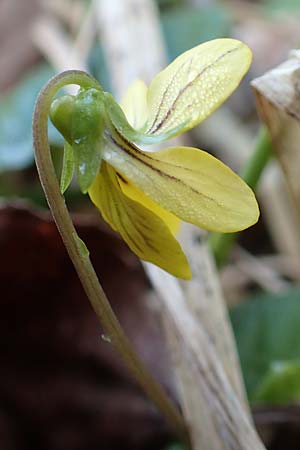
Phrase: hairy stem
[79,254]
[221,244]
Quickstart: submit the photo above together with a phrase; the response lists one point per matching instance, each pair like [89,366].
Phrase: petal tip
[187,274]
[184,272]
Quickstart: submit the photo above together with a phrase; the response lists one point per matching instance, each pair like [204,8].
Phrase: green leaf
[185,28]
[98,67]
[67,168]
[167,4]
[281,384]
[266,330]
[276,6]
[176,447]
[16,150]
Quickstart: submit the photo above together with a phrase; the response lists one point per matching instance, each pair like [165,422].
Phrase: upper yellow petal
[194,85]
[134,104]
[145,232]
[190,183]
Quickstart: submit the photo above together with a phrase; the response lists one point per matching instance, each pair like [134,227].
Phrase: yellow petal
[194,85]
[144,232]
[130,190]
[134,104]
[190,183]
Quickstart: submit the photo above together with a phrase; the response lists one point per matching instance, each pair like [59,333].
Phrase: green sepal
[119,121]
[88,157]
[67,168]
[88,123]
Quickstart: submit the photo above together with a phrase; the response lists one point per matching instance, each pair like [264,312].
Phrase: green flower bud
[61,114]
[88,115]
[78,117]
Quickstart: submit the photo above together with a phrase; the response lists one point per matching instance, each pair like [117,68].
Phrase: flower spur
[144,195]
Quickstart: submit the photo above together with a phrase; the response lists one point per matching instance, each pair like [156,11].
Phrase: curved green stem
[221,244]
[79,254]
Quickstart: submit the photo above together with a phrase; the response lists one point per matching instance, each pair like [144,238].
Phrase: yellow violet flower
[144,195]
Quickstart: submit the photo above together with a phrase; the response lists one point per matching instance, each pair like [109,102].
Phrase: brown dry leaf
[278,103]
[62,387]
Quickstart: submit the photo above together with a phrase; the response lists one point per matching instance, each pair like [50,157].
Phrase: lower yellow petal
[141,228]
[131,191]
[190,183]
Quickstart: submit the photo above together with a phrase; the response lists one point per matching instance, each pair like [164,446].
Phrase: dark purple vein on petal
[135,153]
[153,130]
[166,91]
